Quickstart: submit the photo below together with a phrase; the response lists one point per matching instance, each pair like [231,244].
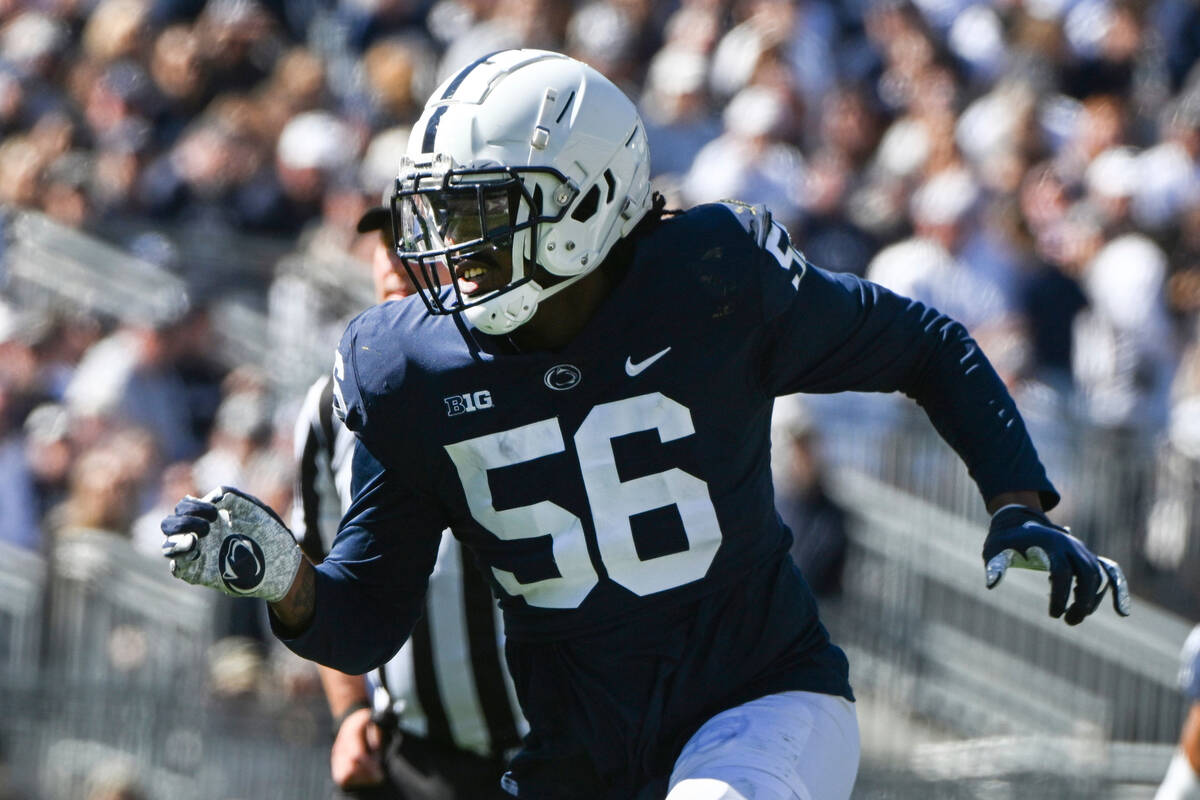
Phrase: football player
[1182,781]
[586,405]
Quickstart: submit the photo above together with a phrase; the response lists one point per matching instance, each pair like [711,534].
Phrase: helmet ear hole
[587,206]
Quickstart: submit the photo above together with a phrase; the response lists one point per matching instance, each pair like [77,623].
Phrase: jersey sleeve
[370,589]
[825,332]
[370,387]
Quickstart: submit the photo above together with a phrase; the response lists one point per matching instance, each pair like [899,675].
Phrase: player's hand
[1025,538]
[232,542]
[355,759]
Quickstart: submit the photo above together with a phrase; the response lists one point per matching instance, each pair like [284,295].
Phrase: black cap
[375,219]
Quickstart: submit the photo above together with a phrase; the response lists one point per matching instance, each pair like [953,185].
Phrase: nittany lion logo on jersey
[241,563]
[562,377]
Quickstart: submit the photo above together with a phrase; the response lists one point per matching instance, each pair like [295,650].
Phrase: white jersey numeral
[473,458]
[613,502]
[778,244]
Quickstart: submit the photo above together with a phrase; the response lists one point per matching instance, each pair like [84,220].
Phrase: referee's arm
[355,758]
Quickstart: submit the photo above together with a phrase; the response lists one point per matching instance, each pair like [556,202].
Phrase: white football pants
[786,746]
[1180,782]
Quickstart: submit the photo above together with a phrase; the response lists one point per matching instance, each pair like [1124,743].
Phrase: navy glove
[231,542]
[1022,537]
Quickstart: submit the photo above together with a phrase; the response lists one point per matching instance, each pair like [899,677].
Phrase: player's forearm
[330,618]
[972,410]
[295,611]
[342,691]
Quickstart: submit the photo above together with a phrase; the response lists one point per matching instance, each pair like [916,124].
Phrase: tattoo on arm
[295,610]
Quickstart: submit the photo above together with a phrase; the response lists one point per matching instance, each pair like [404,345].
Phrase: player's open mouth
[475,276]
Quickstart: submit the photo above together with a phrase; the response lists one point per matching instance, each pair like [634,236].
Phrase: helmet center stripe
[431,129]
[462,75]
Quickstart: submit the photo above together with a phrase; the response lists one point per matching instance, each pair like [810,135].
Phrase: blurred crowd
[1031,167]
[1027,166]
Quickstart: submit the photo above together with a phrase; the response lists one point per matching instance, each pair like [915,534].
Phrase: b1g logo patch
[468,403]
[241,563]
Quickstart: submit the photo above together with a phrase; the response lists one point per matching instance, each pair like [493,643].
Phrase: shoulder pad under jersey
[755,219]
[771,237]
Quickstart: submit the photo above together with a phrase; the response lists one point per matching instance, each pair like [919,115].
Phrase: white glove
[232,542]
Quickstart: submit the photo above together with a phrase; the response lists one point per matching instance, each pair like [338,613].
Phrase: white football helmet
[527,150]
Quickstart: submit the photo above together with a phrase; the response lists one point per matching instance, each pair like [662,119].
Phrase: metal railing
[22,583]
[1128,497]
[961,685]
[184,745]
[123,683]
[958,686]
[48,265]
[117,616]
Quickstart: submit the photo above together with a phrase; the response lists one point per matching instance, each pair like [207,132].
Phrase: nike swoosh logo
[632,369]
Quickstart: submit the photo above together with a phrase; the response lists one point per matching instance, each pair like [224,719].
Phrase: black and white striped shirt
[448,683]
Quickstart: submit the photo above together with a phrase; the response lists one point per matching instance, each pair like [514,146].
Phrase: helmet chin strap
[562,284]
[487,314]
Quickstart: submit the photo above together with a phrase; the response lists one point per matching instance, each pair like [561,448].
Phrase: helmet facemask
[443,214]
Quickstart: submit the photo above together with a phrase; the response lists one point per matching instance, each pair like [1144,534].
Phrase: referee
[436,721]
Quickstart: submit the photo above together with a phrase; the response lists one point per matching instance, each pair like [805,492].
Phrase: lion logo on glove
[241,563]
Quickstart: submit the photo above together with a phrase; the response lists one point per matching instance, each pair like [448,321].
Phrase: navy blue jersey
[619,490]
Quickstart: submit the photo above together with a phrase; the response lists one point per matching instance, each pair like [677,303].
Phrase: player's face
[463,228]
[488,267]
